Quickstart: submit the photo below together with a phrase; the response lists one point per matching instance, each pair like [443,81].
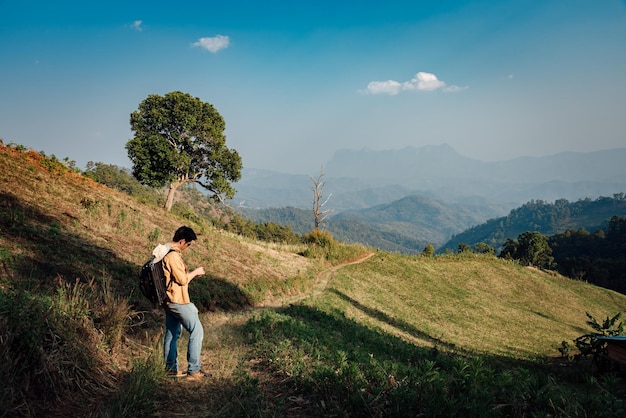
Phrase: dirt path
[321,282]
[223,353]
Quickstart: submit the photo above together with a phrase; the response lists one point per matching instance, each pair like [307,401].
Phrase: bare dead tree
[318,203]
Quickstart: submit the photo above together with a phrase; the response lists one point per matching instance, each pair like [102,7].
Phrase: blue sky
[296,81]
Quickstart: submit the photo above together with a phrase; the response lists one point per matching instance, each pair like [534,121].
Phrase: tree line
[544,217]
[598,257]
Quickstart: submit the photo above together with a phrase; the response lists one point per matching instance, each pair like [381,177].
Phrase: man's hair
[186,233]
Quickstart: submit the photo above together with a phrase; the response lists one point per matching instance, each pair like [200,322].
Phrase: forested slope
[545,218]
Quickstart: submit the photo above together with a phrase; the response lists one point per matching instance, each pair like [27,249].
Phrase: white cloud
[384,87]
[213,44]
[137,25]
[421,82]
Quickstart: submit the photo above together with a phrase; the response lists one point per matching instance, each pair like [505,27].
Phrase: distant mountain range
[364,178]
[402,200]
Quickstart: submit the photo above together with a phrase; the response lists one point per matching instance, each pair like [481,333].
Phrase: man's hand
[197,272]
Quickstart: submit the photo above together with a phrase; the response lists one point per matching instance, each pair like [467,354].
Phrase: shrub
[319,237]
[320,244]
[272,232]
[484,248]
[121,179]
[429,250]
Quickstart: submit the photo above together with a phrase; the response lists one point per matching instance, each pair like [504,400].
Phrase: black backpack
[152,282]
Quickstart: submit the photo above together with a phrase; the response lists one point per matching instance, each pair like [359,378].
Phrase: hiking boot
[176,374]
[199,375]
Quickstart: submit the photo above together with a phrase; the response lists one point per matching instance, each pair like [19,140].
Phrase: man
[179,311]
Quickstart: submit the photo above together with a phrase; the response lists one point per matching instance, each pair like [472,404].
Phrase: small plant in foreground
[590,345]
[138,391]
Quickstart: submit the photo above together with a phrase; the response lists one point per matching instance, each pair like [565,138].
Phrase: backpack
[152,282]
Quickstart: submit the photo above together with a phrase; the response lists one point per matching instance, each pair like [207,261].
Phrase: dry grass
[58,227]
[85,211]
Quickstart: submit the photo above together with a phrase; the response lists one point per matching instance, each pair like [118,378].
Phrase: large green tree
[530,249]
[180,139]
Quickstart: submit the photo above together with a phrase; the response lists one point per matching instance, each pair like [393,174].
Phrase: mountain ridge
[441,173]
[476,191]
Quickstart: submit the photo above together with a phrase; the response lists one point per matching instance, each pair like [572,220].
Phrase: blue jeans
[177,317]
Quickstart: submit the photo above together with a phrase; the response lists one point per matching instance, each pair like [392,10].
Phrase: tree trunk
[169,201]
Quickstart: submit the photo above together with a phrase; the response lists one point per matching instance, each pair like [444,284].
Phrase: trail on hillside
[321,282]
[177,399]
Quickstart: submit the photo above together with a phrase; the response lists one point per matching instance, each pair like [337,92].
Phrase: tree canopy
[180,139]
[530,248]
[598,257]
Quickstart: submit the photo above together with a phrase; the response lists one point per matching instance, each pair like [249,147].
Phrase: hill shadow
[394,322]
[333,332]
[42,249]
[211,293]
[43,252]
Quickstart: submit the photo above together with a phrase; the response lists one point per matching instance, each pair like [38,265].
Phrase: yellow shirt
[176,272]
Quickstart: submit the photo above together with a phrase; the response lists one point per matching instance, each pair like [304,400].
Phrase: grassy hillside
[470,302]
[285,334]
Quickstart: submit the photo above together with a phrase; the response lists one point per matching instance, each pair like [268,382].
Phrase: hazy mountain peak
[408,162]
